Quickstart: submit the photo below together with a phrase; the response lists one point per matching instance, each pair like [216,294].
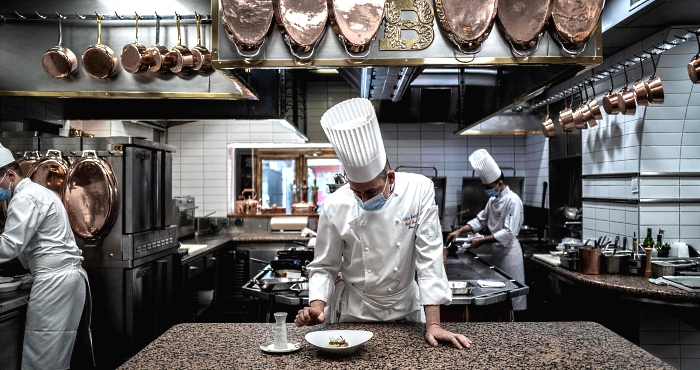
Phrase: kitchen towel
[490,284]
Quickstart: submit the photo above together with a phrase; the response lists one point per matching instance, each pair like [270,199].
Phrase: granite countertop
[636,286]
[273,237]
[527,345]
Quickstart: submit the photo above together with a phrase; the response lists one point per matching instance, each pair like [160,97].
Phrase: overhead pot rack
[75,16]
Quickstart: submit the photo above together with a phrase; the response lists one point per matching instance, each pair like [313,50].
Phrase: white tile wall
[536,170]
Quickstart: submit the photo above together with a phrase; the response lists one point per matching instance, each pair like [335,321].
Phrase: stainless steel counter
[12,300]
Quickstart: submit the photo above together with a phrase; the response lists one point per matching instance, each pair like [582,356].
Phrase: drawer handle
[212,258]
[194,268]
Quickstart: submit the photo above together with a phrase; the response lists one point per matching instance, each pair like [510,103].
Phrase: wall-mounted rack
[76,16]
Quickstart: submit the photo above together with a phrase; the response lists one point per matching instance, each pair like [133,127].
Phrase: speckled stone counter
[276,237]
[533,345]
[632,286]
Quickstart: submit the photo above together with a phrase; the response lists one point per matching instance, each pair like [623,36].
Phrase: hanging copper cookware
[467,23]
[99,60]
[641,89]
[594,107]
[574,22]
[50,171]
[611,104]
[524,23]
[27,161]
[548,125]
[586,110]
[181,56]
[160,60]
[302,24]
[656,89]
[248,24]
[566,116]
[90,197]
[625,97]
[134,56]
[580,113]
[59,61]
[201,55]
[356,23]
[694,65]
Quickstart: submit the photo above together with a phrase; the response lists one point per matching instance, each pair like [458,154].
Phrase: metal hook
[118,16]
[3,18]
[20,15]
[80,15]
[157,16]
[696,33]
[60,16]
[682,37]
[40,16]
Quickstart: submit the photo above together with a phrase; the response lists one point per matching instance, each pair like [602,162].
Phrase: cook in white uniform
[381,232]
[38,233]
[503,215]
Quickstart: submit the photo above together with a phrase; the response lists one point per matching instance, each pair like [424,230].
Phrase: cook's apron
[342,309]
[60,298]
[510,259]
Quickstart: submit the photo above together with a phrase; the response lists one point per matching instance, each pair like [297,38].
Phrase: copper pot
[611,104]
[694,65]
[566,117]
[595,108]
[27,161]
[134,56]
[625,97]
[99,60]
[641,89]
[50,172]
[656,89]
[301,33]
[524,26]
[467,23]
[574,22]
[250,204]
[201,55]
[356,23]
[588,118]
[182,59]
[579,114]
[59,61]
[248,24]
[548,126]
[160,60]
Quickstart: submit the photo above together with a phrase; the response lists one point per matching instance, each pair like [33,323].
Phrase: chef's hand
[453,235]
[435,333]
[312,315]
[477,242]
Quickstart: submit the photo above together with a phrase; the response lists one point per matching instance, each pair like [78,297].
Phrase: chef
[381,232]
[38,233]
[503,215]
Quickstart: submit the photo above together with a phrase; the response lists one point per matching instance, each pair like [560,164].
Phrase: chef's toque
[6,156]
[352,127]
[485,166]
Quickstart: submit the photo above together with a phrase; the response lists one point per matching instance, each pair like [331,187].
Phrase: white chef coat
[38,233]
[503,215]
[390,259]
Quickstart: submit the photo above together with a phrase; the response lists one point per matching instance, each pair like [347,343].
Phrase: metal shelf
[669,174]
[669,201]
[206,18]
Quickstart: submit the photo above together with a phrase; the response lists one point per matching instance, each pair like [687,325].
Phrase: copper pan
[248,24]
[134,56]
[586,111]
[302,24]
[595,108]
[625,97]
[578,112]
[356,23]
[99,60]
[640,87]
[524,23]
[59,61]
[656,89]
[27,161]
[574,22]
[202,56]
[91,197]
[467,23]
[566,117]
[611,104]
[50,171]
[548,125]
[181,56]
[160,60]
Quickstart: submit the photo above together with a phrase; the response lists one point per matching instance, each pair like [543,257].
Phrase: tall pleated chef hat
[352,127]
[485,166]
[6,156]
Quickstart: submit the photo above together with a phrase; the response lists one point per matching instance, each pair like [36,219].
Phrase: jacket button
[397,220]
[398,244]
[389,290]
[396,269]
[369,272]
[366,249]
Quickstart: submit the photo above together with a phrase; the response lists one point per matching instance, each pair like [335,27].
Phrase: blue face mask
[375,203]
[492,193]
[5,194]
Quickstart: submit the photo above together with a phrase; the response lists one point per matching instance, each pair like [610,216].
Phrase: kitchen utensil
[200,54]
[160,60]
[467,24]
[99,60]
[585,110]
[461,287]
[50,172]
[611,102]
[356,23]
[181,56]
[28,160]
[589,261]
[578,114]
[524,26]
[302,25]
[354,339]
[594,107]
[134,56]
[574,22]
[566,116]
[613,263]
[569,263]
[648,272]
[662,268]
[275,284]
[694,65]
[656,89]
[625,97]
[548,125]
[250,206]
[640,87]
[248,24]
[59,61]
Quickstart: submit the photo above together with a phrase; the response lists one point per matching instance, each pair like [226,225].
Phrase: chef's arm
[434,332]
[23,220]
[323,270]
[477,223]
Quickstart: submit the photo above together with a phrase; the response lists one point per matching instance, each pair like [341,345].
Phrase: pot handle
[307,58]
[342,41]
[516,53]
[257,51]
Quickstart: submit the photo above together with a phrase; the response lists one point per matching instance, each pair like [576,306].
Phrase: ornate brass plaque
[422,25]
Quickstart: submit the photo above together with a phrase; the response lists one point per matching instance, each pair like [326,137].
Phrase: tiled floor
[673,341]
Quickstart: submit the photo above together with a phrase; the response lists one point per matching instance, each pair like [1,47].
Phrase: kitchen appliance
[248,24]
[186,208]
[356,23]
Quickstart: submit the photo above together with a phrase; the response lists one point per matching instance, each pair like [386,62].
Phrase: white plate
[354,338]
[8,287]
[292,346]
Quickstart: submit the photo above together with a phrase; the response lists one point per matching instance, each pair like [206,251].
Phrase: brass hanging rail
[16,16]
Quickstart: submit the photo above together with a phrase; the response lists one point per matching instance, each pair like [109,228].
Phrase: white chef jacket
[503,215]
[390,259]
[38,233]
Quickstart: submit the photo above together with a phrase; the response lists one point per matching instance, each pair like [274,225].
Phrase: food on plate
[338,341]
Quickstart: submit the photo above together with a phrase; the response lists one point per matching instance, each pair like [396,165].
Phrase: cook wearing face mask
[503,215]
[379,232]
[37,232]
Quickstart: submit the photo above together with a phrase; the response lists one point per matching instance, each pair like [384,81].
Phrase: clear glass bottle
[280,330]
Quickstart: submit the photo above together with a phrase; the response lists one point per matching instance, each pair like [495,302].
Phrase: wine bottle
[648,241]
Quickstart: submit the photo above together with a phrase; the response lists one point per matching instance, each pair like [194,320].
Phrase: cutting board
[548,258]
[193,248]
